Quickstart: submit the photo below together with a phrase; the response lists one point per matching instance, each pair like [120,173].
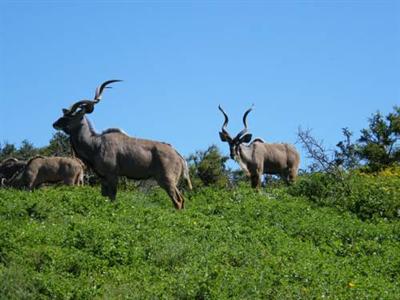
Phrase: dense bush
[71,243]
[379,144]
[367,195]
[207,168]
[58,146]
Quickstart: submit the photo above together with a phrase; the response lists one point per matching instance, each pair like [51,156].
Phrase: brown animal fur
[259,157]
[41,170]
[113,153]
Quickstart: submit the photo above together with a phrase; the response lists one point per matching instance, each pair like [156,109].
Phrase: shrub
[71,243]
[366,195]
[207,168]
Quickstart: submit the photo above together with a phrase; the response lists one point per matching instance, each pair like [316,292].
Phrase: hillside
[71,243]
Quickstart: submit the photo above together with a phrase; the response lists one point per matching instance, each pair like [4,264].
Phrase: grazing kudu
[40,169]
[258,157]
[113,153]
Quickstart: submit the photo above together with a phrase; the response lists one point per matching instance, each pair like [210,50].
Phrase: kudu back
[259,157]
[42,169]
[113,153]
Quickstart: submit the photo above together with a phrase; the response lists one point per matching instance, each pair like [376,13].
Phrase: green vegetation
[58,146]
[334,234]
[207,168]
[71,243]
[367,195]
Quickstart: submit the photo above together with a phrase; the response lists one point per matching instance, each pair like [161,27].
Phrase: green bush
[367,196]
[207,168]
[72,243]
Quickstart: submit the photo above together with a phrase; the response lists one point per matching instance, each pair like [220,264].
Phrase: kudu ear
[224,137]
[246,138]
[65,111]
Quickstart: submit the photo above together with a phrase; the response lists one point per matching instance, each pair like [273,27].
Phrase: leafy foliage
[66,243]
[368,196]
[347,155]
[379,143]
[59,145]
[208,168]
[7,150]
[27,150]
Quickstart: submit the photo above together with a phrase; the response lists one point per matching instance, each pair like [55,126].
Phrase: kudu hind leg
[292,175]
[30,181]
[181,198]
[69,181]
[284,175]
[173,192]
[79,179]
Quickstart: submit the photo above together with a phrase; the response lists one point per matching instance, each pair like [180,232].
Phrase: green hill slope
[70,243]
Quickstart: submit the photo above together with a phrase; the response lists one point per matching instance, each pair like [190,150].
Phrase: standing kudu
[258,157]
[113,153]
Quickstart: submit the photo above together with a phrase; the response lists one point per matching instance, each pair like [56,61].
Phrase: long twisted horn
[78,104]
[89,104]
[245,122]
[100,89]
[245,116]
[226,120]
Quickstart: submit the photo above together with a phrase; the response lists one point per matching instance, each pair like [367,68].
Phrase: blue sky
[317,64]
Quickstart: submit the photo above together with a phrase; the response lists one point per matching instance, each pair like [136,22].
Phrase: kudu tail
[186,174]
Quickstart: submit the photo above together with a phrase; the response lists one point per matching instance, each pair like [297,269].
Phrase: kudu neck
[245,152]
[85,140]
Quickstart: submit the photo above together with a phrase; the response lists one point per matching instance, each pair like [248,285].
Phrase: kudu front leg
[109,188]
[255,180]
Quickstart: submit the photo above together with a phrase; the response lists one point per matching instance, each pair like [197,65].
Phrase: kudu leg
[181,198]
[289,176]
[173,192]
[104,189]
[292,175]
[79,179]
[176,200]
[69,181]
[31,186]
[109,188]
[255,181]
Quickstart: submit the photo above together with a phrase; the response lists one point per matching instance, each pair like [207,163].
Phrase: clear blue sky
[316,64]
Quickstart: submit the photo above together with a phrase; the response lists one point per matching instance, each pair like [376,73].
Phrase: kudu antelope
[258,157]
[113,153]
[41,169]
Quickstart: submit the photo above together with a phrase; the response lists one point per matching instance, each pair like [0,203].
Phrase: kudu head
[73,116]
[242,137]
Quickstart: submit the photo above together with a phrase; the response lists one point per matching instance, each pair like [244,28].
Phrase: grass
[71,243]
